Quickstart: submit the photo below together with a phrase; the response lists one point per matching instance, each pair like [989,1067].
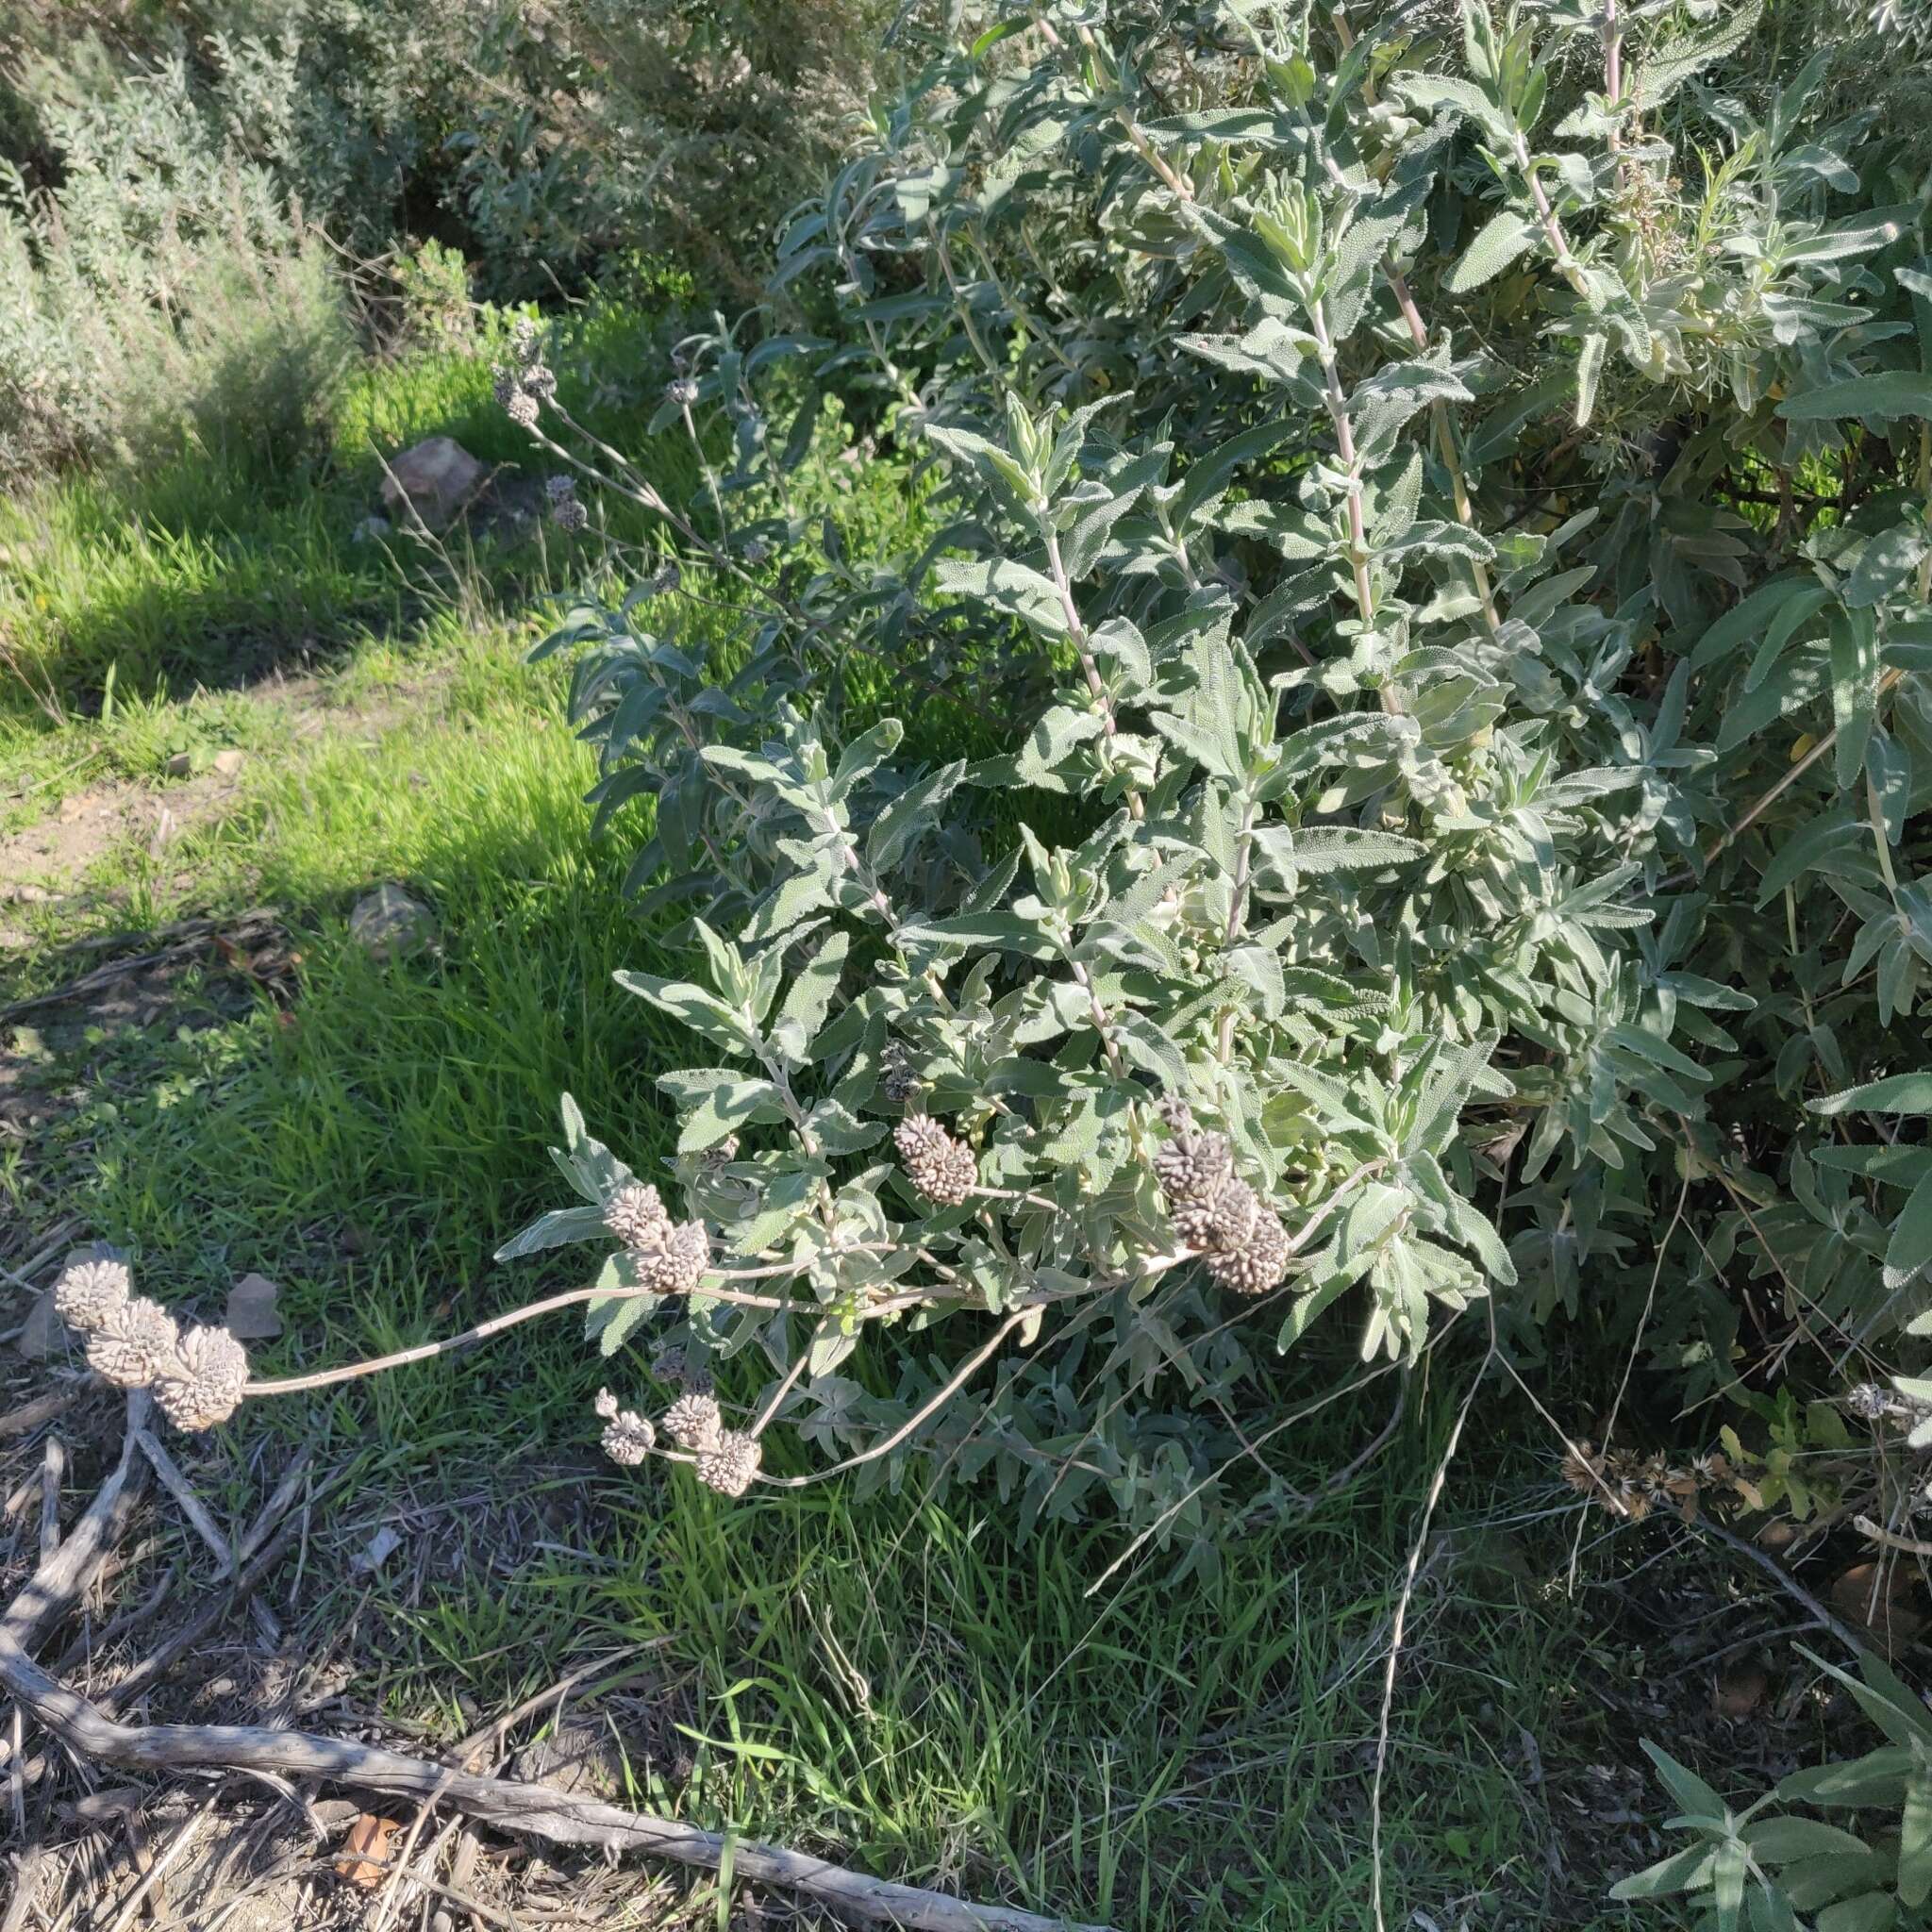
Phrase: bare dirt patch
[48,860]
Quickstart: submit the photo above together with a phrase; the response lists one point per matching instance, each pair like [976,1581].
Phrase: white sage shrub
[1433,503]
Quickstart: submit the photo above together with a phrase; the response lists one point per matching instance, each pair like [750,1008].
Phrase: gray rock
[433,481]
[387,924]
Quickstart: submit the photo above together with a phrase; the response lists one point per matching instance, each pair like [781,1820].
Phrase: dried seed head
[627,1437]
[1254,1259]
[1193,1169]
[134,1344]
[1654,1478]
[541,380]
[558,488]
[730,1462]
[1583,1470]
[636,1215]
[678,1264]
[941,1168]
[89,1292]
[569,514]
[525,338]
[522,409]
[504,385]
[898,1083]
[683,392]
[667,579]
[203,1385]
[693,1421]
[757,550]
[1242,1238]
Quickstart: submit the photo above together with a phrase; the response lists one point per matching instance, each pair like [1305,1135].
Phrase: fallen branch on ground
[531,1810]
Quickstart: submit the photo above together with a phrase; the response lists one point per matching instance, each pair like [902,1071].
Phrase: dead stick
[1911,1546]
[59,1580]
[1769,1564]
[535,1810]
[43,1408]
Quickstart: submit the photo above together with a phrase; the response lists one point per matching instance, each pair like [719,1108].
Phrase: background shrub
[164,291]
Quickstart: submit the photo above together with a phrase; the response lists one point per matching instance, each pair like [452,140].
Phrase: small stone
[179,765]
[387,924]
[226,764]
[251,1314]
[433,481]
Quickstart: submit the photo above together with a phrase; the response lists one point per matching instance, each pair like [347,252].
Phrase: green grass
[907,1683]
[902,1682]
[215,571]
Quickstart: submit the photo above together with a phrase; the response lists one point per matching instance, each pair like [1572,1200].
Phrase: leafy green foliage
[1763,1866]
[1458,601]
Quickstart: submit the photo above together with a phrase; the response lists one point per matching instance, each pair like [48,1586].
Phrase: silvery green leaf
[1429,94]
[1668,67]
[1883,397]
[1503,239]
[714,1104]
[1271,349]
[560,1226]
[1590,363]
[1009,587]
[1004,931]
[913,812]
[703,1011]
[864,755]
[1044,760]
[809,998]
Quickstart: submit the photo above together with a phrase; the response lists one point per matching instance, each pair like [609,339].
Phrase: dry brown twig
[527,1809]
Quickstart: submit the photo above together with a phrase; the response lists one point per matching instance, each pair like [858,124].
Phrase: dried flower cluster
[730,1462]
[898,1083]
[941,1168]
[1627,1484]
[1241,1239]
[669,1256]
[724,1460]
[198,1378]
[527,384]
[628,1437]
[694,1421]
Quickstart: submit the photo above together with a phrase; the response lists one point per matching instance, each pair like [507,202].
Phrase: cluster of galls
[725,1459]
[1241,1238]
[197,1379]
[527,384]
[668,1256]
[1631,1485]
[943,1169]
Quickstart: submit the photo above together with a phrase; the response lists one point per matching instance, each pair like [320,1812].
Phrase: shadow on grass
[212,571]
